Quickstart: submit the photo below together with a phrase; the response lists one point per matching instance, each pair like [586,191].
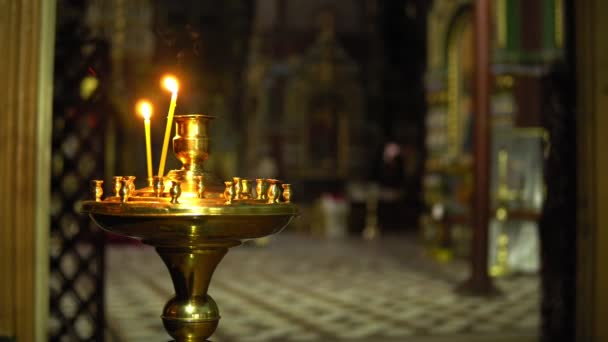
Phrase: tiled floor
[305,289]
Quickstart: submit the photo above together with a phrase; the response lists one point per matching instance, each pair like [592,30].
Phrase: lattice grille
[77,245]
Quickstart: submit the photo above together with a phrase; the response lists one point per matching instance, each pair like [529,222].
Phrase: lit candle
[170,83]
[145,109]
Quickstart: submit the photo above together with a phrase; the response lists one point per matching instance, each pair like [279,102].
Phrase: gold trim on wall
[455,127]
[453,130]
[559,23]
[501,23]
[438,30]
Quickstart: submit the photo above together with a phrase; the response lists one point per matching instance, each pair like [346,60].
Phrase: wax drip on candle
[169,83]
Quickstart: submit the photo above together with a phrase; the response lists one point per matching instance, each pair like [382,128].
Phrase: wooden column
[480,282]
[591,52]
[26,62]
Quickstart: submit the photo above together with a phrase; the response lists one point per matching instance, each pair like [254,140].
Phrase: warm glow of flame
[170,83]
[144,108]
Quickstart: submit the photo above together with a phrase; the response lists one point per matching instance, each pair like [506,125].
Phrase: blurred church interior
[445,157]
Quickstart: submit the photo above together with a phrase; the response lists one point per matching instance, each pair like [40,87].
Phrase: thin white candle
[170,83]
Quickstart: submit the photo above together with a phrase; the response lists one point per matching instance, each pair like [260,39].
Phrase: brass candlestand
[191,223]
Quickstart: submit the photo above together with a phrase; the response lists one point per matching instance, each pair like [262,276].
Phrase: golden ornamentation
[176,191]
[191,236]
[159,186]
[117,185]
[130,183]
[260,189]
[501,268]
[236,181]
[286,193]
[504,196]
[229,192]
[273,193]
[97,189]
[190,145]
[504,193]
[246,189]
[124,190]
[200,186]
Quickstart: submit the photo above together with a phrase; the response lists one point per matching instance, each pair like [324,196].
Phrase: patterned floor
[306,289]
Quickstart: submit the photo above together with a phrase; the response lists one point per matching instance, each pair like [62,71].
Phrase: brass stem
[191,315]
[191,269]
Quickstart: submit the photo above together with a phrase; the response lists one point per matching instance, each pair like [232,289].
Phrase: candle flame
[170,83]
[144,108]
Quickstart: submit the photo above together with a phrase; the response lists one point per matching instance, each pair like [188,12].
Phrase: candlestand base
[192,315]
